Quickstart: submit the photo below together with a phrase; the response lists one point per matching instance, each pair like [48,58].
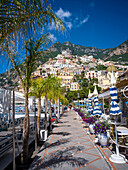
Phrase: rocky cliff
[119,53]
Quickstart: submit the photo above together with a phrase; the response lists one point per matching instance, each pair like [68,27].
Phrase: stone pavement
[69,147]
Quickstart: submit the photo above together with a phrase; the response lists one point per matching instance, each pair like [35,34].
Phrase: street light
[34,109]
[78,99]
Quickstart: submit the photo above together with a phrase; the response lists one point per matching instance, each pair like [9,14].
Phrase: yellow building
[74,86]
[66,71]
[66,79]
[105,77]
[66,75]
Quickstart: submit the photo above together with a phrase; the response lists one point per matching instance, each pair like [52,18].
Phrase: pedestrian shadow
[65,157]
[62,133]
[65,115]
[63,122]
[85,126]
[57,143]
[65,126]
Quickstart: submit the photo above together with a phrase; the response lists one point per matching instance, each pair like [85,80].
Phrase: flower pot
[91,126]
[98,135]
[108,134]
[103,139]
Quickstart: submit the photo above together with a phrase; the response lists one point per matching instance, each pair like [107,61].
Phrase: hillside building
[74,86]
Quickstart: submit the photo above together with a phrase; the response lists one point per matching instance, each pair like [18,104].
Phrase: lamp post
[115,111]
[34,103]
[78,99]
[13,120]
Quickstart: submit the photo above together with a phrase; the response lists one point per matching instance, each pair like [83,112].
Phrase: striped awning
[114,109]
[90,109]
[113,93]
[96,111]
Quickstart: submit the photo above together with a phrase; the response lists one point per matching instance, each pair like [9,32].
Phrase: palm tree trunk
[45,123]
[24,154]
[58,108]
[62,109]
[38,118]
[55,108]
[50,117]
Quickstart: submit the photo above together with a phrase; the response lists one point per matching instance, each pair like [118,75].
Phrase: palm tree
[55,85]
[63,99]
[48,87]
[57,93]
[20,18]
[32,55]
[37,89]
[32,48]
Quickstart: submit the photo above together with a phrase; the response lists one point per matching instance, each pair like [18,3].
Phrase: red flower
[53,120]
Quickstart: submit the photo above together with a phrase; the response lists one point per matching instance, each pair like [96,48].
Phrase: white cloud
[85,20]
[63,14]
[69,19]
[52,26]
[52,37]
[68,25]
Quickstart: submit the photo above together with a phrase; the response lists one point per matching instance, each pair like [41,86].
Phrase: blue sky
[99,23]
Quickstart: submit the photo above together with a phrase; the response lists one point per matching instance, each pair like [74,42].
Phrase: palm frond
[23,16]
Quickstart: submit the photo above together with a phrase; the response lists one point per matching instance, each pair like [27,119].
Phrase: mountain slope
[119,53]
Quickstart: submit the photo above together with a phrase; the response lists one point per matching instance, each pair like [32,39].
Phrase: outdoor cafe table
[122,131]
[5,133]
[113,127]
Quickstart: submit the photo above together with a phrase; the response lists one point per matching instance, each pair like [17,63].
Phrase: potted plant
[100,129]
[81,114]
[91,121]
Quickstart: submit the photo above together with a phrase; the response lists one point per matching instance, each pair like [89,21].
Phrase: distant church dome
[111,68]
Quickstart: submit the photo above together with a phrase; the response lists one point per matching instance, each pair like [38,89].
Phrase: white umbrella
[96,111]
[90,109]
[115,110]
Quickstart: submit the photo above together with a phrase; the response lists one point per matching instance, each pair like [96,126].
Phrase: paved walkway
[70,148]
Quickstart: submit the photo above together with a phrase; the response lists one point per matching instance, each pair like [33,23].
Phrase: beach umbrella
[115,111]
[96,111]
[90,109]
